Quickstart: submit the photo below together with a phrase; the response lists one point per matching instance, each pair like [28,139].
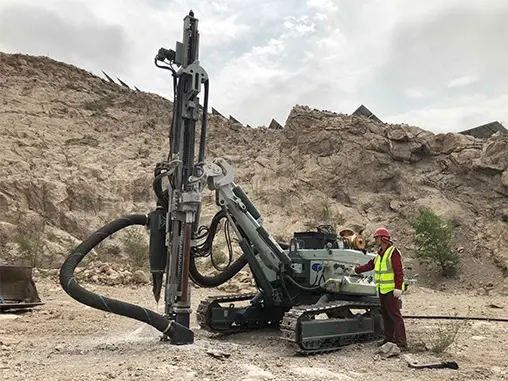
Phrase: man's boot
[403,347]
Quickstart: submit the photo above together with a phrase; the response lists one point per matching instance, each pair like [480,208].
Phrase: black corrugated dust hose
[74,290]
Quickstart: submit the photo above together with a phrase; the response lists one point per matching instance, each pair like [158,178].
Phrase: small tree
[433,241]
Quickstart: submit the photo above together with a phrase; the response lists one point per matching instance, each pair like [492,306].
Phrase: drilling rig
[306,287]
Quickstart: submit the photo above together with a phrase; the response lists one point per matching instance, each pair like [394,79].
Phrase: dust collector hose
[74,290]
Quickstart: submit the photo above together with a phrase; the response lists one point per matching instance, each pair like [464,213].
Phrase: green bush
[433,241]
[136,248]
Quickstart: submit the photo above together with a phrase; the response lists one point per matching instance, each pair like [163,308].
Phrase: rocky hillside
[79,151]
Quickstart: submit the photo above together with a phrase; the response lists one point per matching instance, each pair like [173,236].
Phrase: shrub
[440,337]
[29,238]
[136,248]
[433,241]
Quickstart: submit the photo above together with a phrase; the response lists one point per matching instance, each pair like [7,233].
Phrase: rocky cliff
[79,151]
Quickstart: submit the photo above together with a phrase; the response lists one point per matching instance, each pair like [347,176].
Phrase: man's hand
[397,293]
[352,272]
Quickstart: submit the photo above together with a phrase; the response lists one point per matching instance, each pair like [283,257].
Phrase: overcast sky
[440,65]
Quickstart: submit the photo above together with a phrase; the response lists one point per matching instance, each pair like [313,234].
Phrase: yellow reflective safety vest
[383,272]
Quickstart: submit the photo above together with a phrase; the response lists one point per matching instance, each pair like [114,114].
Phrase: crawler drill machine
[306,286]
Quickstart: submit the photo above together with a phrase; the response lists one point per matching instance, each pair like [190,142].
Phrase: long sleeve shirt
[398,271]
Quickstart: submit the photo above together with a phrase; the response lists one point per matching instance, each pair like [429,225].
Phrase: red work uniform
[394,328]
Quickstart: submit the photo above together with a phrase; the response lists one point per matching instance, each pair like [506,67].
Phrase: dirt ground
[65,340]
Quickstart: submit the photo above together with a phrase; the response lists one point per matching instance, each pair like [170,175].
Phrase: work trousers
[395,330]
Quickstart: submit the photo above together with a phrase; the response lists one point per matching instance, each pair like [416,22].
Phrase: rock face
[79,152]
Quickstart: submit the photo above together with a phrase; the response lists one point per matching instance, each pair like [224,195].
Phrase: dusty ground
[65,340]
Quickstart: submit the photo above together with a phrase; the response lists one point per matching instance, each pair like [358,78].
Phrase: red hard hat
[381,232]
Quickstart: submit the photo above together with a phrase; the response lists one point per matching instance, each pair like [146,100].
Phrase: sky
[439,65]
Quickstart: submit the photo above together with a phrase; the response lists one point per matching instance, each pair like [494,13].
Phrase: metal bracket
[297,267]
[198,74]
[219,173]
[189,201]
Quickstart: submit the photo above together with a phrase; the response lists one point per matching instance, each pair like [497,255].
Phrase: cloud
[82,39]
[417,92]
[463,81]
[444,63]
[459,114]
[325,6]
[412,62]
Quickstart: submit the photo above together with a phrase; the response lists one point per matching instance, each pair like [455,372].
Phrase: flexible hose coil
[77,292]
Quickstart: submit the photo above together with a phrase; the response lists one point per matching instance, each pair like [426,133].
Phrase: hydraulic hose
[301,286]
[159,322]
[204,250]
[74,290]
[214,281]
[162,195]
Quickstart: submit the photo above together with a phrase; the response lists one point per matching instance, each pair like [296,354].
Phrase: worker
[389,278]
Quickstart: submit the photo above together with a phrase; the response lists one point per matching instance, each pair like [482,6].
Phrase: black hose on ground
[74,290]
[437,317]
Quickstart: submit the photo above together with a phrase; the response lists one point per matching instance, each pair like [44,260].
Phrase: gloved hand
[397,293]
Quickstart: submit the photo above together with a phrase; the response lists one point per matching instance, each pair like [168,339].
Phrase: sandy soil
[65,340]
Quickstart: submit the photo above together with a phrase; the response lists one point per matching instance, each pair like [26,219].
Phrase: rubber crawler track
[290,323]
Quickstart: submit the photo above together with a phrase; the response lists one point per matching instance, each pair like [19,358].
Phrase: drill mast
[179,209]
